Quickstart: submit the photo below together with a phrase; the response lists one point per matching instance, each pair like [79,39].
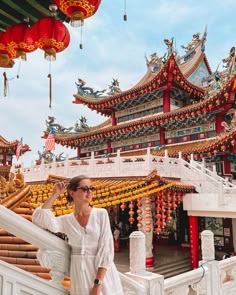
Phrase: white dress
[92,247]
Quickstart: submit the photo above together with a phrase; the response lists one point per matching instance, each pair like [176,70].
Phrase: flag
[50,142]
[19,148]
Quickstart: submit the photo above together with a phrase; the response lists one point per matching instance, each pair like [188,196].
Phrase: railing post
[166,154]
[149,160]
[153,283]
[208,260]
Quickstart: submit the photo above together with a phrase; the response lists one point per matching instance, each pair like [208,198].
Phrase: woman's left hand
[96,290]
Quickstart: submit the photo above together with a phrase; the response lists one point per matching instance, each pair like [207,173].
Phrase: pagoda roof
[11,146]
[145,92]
[221,101]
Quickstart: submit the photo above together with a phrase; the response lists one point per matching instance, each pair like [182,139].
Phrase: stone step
[173,268]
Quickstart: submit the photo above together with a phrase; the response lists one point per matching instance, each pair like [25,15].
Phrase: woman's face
[83,194]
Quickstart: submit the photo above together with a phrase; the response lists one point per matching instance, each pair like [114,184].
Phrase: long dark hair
[73,185]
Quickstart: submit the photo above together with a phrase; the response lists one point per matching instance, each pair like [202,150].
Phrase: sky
[112,48]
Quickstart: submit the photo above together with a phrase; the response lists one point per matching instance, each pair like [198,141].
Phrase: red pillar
[109,147]
[78,152]
[219,119]
[4,160]
[162,136]
[226,165]
[166,99]
[113,118]
[193,231]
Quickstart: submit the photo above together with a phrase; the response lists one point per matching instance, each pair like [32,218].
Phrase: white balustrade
[211,278]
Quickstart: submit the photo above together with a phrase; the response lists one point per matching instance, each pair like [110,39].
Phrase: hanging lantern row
[109,199]
[166,203]
[47,34]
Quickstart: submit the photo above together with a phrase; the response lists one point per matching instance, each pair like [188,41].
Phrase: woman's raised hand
[59,188]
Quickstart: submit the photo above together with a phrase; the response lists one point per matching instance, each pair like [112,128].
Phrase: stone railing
[211,278]
[53,253]
[14,281]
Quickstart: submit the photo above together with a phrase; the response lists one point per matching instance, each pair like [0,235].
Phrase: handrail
[188,278]
[30,232]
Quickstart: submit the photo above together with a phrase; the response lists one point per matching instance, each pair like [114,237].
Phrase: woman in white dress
[92,270]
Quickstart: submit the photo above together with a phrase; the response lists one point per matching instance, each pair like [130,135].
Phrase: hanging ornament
[19,40]
[51,35]
[78,10]
[125,15]
[139,212]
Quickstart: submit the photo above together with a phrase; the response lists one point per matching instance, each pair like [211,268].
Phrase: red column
[226,165]
[193,231]
[78,152]
[4,160]
[162,136]
[109,147]
[219,119]
[166,99]
[113,118]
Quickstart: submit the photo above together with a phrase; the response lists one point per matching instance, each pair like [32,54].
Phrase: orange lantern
[78,10]
[52,36]
[19,40]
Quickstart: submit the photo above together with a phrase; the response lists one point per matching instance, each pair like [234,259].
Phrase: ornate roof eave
[105,105]
[202,148]
[198,56]
[211,104]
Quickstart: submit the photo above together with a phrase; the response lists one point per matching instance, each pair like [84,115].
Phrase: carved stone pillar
[208,248]
[137,253]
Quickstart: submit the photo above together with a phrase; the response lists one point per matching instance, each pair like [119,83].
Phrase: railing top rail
[30,232]
[227,263]
[189,277]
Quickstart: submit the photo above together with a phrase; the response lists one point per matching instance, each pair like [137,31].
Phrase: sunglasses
[86,188]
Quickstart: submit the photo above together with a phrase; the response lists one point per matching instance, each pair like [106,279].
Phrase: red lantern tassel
[125,15]
[5,84]
[50,90]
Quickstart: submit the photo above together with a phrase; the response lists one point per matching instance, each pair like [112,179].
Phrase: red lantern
[52,36]
[4,56]
[78,10]
[20,40]
[223,148]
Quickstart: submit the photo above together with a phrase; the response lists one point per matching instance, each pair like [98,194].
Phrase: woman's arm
[98,281]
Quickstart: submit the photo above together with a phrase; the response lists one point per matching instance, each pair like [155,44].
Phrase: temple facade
[178,105]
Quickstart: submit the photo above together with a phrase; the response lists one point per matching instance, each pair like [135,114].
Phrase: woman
[93,271]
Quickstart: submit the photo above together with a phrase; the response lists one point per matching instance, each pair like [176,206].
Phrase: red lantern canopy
[52,36]
[78,10]
[20,41]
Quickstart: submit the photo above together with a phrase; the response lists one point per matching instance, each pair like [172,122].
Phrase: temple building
[178,105]
[7,151]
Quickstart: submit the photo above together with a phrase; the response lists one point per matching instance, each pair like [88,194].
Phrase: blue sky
[112,49]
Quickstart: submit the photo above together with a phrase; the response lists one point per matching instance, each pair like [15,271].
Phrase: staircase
[173,268]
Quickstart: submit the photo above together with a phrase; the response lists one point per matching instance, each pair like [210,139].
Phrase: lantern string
[5,91]
[81,37]
[18,73]
[125,15]
[50,85]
